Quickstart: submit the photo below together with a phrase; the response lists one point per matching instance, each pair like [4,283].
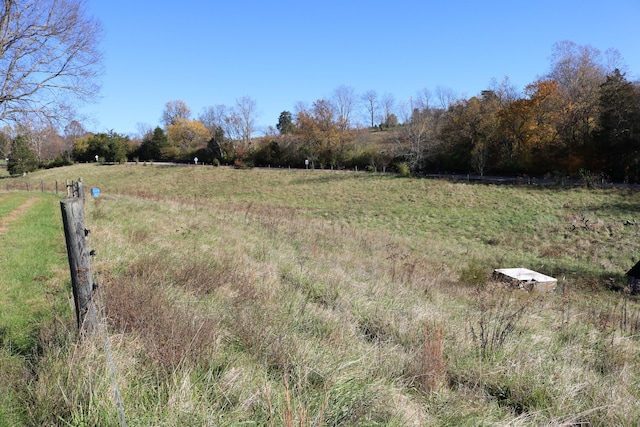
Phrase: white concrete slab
[528,279]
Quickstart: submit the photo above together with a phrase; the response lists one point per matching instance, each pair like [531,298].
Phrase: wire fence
[103,327]
[90,307]
[41,186]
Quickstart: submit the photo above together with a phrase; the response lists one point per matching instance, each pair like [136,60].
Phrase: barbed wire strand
[104,332]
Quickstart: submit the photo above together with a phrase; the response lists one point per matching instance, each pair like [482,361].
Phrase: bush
[57,162]
[404,170]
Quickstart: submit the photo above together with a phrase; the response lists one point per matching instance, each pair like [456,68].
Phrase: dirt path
[14,214]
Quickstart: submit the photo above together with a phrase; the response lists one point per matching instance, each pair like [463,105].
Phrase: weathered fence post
[79,263]
[78,189]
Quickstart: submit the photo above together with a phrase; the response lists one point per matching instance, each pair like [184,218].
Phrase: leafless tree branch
[49,58]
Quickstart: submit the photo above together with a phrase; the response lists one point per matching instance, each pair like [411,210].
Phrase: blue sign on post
[95,192]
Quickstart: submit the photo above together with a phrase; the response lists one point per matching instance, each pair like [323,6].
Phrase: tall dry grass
[285,298]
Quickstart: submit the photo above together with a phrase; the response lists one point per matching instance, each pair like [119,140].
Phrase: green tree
[152,148]
[267,154]
[110,146]
[21,159]
[216,144]
[285,123]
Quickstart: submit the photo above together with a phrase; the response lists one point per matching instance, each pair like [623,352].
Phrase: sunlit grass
[33,297]
[32,254]
[279,297]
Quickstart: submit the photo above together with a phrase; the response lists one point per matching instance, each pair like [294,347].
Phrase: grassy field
[278,297]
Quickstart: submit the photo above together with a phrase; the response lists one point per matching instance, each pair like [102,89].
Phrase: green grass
[32,254]
[31,295]
[277,297]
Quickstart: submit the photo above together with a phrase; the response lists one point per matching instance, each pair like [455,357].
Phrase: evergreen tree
[152,149]
[216,143]
[285,123]
[21,159]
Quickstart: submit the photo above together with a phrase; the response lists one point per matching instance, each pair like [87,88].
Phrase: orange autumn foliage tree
[529,124]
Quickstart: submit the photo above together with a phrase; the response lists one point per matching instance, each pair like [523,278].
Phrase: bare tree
[72,132]
[579,72]
[504,91]
[370,100]
[145,131]
[300,107]
[213,117]
[388,103]
[42,137]
[418,136]
[246,111]
[5,142]
[174,111]
[446,97]
[422,101]
[344,102]
[233,126]
[49,58]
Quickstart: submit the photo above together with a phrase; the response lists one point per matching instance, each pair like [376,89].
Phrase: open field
[277,297]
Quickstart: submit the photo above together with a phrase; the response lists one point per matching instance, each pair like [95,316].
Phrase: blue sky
[283,52]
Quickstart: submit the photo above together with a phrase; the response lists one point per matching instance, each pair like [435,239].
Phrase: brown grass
[173,333]
[427,370]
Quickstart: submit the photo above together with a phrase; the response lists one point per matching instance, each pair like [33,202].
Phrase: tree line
[580,118]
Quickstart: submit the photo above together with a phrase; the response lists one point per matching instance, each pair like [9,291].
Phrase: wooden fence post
[79,263]
[78,189]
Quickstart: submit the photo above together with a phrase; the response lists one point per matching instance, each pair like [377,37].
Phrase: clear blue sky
[281,52]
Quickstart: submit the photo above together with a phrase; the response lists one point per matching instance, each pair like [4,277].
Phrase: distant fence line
[58,187]
[41,186]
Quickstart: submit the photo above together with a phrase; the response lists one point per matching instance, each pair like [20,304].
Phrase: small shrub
[57,162]
[404,170]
